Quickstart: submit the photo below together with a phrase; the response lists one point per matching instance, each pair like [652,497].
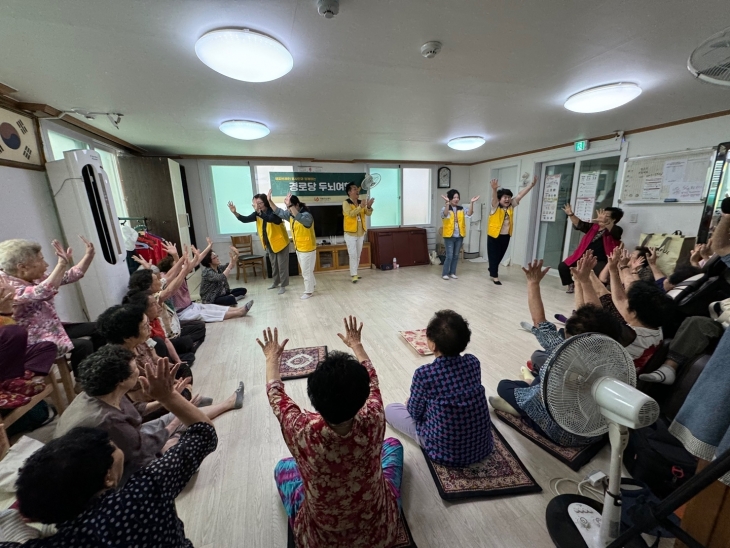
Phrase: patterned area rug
[501,474]
[574,457]
[417,339]
[405,539]
[301,362]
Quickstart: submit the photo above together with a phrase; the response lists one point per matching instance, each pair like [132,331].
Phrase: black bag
[657,458]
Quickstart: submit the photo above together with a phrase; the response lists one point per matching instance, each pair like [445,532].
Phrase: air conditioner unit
[85,207]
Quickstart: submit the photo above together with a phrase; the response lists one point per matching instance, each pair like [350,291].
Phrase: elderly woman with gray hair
[23,267]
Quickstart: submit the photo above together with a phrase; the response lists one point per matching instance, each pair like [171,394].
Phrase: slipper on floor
[239,396]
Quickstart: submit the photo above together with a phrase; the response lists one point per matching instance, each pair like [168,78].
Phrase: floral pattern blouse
[34,309]
[213,284]
[347,500]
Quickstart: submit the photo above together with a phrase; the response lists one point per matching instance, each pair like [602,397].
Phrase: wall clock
[444,177]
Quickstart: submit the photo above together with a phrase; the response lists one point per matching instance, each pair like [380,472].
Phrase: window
[416,196]
[387,206]
[232,183]
[60,143]
[263,180]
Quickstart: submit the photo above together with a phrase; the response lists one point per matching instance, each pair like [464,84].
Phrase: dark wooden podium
[409,246]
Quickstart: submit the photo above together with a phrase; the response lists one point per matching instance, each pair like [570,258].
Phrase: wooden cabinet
[331,258]
[408,246]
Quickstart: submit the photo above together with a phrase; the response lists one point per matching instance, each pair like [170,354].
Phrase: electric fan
[588,389]
[369,182]
[711,60]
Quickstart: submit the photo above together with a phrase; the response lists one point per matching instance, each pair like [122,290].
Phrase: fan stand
[574,521]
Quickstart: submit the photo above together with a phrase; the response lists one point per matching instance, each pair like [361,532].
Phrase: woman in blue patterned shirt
[447,412]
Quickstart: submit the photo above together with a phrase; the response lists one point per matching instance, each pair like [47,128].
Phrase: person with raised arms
[355,210]
[453,219]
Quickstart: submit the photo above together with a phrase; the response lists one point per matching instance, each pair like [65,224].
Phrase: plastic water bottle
[395,265]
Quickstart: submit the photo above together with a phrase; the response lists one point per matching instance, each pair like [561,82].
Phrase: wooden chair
[246,258]
[443,246]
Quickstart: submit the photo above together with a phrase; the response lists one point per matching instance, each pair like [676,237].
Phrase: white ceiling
[360,88]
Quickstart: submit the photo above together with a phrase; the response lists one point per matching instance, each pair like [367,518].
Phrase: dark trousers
[16,356]
[496,249]
[192,335]
[83,347]
[506,391]
[566,278]
[230,299]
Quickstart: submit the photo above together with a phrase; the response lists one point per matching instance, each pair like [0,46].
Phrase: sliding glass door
[557,189]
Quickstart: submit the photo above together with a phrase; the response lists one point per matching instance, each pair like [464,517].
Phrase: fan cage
[569,377]
[711,60]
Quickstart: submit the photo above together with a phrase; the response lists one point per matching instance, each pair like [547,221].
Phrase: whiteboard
[673,178]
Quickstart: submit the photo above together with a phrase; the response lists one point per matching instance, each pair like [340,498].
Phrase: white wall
[27,211]
[650,218]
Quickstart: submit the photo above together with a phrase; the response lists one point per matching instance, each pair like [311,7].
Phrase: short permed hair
[105,369]
[590,318]
[166,264]
[453,192]
[650,304]
[57,482]
[138,298]
[207,259]
[449,331]
[14,252]
[504,192]
[616,213]
[339,387]
[120,322]
[140,280]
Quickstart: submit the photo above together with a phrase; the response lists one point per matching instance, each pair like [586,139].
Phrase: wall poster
[19,144]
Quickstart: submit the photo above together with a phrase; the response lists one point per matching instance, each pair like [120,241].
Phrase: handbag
[672,249]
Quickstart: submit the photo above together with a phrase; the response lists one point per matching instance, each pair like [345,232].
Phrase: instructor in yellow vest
[453,219]
[501,223]
[274,239]
[354,211]
[302,231]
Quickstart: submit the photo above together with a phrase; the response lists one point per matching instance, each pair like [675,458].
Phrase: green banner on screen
[313,187]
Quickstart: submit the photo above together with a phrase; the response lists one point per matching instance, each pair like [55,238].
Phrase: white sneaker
[526,326]
[445,277]
[306,296]
[454,276]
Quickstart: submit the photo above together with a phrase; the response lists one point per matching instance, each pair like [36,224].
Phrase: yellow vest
[304,238]
[496,220]
[278,238]
[351,222]
[448,223]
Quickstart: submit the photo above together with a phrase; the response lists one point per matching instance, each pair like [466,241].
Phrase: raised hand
[159,380]
[233,253]
[636,263]
[232,207]
[652,256]
[474,199]
[568,210]
[64,256]
[353,334]
[89,246]
[271,347]
[269,196]
[494,183]
[615,257]
[534,181]
[287,200]
[583,268]
[7,296]
[446,199]
[600,217]
[209,241]
[625,257]
[370,203]
[707,251]
[534,271]
[169,247]
[141,261]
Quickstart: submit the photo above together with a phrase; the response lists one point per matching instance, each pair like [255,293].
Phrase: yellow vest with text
[351,222]
[278,238]
[448,223]
[304,238]
[496,220]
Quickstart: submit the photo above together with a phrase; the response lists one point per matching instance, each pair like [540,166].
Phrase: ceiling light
[466,143]
[243,54]
[244,129]
[603,98]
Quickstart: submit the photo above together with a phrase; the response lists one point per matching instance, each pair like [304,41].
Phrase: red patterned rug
[574,457]
[405,539]
[417,339]
[301,362]
[499,475]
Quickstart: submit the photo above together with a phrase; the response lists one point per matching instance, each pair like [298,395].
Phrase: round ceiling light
[466,143]
[244,129]
[603,98]
[243,54]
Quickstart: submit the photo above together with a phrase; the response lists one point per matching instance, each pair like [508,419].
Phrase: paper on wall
[674,171]
[652,189]
[584,208]
[588,184]
[550,198]
[686,192]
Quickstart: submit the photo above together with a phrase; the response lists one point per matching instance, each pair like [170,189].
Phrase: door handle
[187,217]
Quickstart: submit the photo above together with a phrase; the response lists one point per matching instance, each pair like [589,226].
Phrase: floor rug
[301,362]
[574,457]
[405,539]
[417,339]
[501,474]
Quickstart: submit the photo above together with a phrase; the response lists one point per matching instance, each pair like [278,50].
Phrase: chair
[442,248]
[246,258]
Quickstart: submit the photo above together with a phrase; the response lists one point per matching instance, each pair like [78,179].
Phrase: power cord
[587,487]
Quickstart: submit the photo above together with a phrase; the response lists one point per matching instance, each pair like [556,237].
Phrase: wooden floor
[233,501]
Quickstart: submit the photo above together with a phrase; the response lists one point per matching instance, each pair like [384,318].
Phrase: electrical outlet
[634,218]
[596,477]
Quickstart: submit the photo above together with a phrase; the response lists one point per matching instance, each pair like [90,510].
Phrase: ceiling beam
[309,160]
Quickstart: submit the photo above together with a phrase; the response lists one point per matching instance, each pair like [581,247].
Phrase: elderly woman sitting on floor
[342,488]
[214,288]
[72,482]
[22,265]
[107,376]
